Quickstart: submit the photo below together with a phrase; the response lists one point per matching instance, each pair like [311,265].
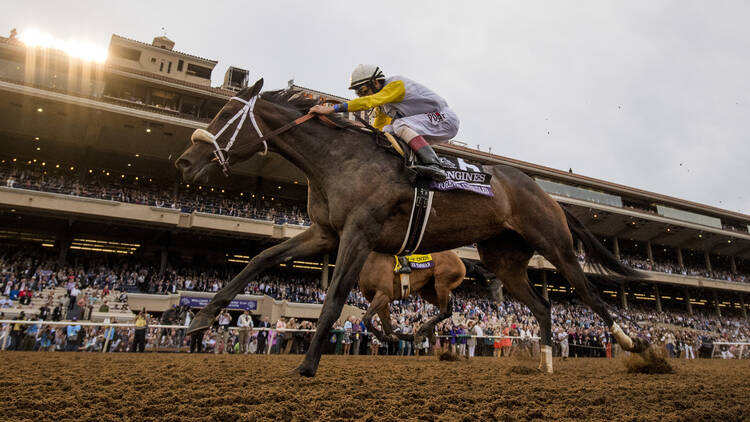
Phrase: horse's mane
[296,100]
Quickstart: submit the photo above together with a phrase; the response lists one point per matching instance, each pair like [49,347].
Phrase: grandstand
[88,179]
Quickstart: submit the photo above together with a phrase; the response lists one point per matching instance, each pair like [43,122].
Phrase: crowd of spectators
[688,270]
[103,184]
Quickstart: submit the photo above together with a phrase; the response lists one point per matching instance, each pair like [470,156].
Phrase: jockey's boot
[403,265]
[428,163]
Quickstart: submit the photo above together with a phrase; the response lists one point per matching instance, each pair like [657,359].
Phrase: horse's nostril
[182,164]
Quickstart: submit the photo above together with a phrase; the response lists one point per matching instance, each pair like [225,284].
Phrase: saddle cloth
[417,262]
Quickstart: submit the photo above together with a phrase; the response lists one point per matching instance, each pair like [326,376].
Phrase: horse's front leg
[356,244]
[379,302]
[314,241]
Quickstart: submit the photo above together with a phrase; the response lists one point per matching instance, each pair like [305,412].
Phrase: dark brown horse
[360,199]
[380,286]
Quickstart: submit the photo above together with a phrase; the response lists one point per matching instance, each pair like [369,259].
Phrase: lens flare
[82,50]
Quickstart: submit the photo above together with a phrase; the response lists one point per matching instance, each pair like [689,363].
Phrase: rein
[221,155]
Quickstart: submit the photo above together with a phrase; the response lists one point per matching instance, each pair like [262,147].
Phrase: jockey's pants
[435,128]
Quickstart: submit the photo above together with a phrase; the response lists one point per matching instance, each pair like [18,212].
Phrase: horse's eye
[225,115]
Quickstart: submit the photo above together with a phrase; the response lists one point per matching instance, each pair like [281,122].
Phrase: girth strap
[420,213]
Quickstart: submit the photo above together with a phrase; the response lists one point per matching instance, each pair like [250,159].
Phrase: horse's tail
[596,254]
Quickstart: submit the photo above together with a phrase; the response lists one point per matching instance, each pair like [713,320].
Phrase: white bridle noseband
[221,155]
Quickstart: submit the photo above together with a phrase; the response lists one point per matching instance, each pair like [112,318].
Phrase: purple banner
[201,302]
[461,185]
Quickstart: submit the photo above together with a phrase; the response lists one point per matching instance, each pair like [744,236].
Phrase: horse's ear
[251,91]
[255,89]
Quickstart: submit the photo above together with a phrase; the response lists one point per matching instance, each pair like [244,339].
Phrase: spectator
[264,325]
[73,336]
[224,319]
[141,325]
[245,326]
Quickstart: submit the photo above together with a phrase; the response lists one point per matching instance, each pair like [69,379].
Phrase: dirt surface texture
[170,387]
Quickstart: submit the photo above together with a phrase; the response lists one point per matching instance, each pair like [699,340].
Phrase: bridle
[221,155]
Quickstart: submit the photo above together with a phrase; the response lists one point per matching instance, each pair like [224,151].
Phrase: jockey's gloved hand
[322,109]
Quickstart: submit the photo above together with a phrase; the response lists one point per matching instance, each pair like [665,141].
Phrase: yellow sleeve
[391,93]
[381,119]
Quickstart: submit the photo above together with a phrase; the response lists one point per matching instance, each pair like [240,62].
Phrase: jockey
[404,107]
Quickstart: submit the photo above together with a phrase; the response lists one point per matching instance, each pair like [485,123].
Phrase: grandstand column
[176,187]
[166,240]
[650,253]
[500,294]
[623,297]
[164,256]
[732,264]
[742,304]
[657,295]
[708,260]
[65,239]
[545,292]
[680,262]
[324,273]
[687,301]
[716,303]
[616,247]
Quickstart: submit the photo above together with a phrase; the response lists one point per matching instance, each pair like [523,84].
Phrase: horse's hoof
[305,372]
[200,324]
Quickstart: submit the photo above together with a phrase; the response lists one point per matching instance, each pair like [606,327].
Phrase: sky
[653,95]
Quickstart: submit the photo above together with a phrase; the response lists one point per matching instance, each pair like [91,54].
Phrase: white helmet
[363,74]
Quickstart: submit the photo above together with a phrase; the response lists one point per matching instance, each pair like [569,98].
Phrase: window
[199,71]
[161,67]
[179,65]
[125,53]
[169,67]
[153,59]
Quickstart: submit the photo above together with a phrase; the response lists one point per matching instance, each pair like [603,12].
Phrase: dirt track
[151,387]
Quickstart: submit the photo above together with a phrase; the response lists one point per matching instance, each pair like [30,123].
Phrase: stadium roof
[162,50]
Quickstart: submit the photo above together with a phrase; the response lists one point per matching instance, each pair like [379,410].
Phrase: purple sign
[422,265]
[201,302]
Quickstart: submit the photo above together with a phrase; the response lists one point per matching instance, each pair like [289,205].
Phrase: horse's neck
[321,153]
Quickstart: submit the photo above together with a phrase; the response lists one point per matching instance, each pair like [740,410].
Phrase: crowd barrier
[738,349]
[717,347]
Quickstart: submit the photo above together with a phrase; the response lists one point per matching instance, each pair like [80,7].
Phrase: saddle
[460,176]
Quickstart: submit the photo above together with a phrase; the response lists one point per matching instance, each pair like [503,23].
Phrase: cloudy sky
[654,95]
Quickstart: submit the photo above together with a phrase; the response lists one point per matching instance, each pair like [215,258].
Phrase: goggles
[362,90]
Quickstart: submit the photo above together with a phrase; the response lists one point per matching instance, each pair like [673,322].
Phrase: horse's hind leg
[447,277]
[556,244]
[508,256]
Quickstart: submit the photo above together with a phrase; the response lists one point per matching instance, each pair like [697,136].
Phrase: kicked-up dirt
[170,387]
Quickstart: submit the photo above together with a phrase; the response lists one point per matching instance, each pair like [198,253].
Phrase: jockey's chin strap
[221,155]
